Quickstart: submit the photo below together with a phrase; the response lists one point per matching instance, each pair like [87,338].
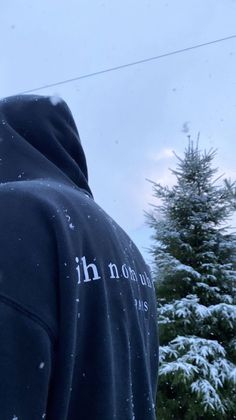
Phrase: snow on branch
[202,364]
[208,394]
[185,308]
[186,368]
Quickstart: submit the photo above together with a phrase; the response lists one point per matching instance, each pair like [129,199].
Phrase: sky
[130,120]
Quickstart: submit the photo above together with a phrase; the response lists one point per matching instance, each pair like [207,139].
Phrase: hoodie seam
[35,318]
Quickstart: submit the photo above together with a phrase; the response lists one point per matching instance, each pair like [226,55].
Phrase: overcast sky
[129,120]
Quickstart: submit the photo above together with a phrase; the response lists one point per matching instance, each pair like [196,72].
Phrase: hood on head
[39,140]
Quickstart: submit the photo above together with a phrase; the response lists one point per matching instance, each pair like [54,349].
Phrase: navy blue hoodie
[78,322]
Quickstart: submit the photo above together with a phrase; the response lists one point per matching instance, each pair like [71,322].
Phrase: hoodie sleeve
[28,307]
[28,255]
[25,364]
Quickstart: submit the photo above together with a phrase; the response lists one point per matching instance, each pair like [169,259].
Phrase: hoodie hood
[39,140]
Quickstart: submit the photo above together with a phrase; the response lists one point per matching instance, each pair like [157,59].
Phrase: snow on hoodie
[78,322]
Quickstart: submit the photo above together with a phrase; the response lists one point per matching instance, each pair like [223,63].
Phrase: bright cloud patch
[163,154]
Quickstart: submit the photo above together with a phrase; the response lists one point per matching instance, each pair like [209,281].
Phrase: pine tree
[195,268]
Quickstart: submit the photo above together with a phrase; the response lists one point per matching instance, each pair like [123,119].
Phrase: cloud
[164,154]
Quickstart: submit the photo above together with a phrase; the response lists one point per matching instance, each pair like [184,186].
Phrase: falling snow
[55,99]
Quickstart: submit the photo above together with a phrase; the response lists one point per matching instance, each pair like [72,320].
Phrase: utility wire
[134,63]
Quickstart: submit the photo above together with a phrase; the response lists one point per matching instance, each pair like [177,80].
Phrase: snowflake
[55,99]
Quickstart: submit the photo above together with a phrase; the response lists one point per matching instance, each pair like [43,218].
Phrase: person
[78,322]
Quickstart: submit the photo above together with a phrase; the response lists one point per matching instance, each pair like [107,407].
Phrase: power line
[134,63]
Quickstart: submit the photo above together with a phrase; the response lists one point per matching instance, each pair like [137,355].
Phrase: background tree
[194,265]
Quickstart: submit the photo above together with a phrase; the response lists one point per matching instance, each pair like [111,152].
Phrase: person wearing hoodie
[78,321]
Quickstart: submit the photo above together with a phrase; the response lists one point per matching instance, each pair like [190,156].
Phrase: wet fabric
[78,322]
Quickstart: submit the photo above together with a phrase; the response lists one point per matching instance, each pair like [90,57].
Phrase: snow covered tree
[195,268]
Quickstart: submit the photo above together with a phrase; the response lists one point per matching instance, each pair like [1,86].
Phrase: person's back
[78,336]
